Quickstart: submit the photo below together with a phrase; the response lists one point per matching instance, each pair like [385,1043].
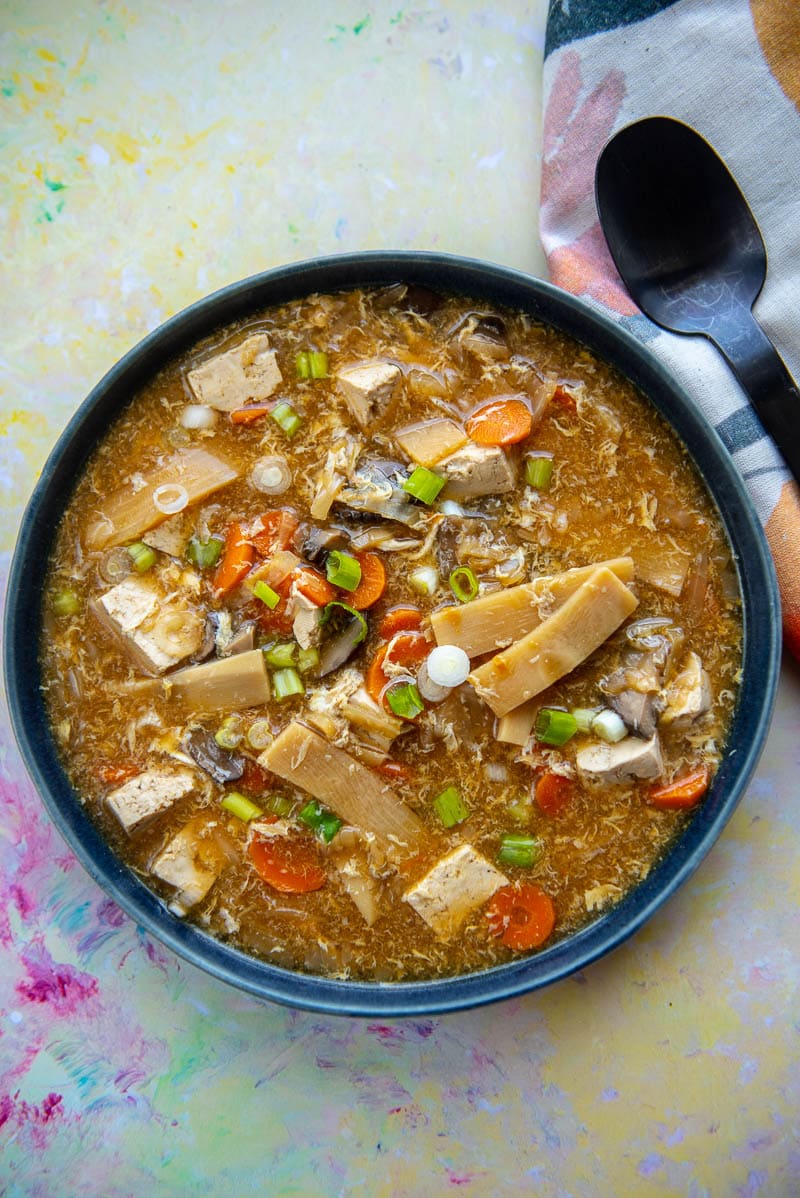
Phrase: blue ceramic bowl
[544,303]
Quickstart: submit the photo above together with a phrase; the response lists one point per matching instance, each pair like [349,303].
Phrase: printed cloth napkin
[730,69]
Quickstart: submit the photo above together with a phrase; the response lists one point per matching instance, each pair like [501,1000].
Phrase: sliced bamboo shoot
[130,511]
[431,440]
[515,728]
[227,684]
[502,617]
[352,791]
[557,645]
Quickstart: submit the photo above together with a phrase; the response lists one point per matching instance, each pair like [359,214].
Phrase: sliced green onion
[447,665]
[404,700]
[320,820]
[229,735]
[265,593]
[240,806]
[65,603]
[520,811]
[259,735]
[584,717]
[286,418]
[204,554]
[424,484]
[463,584]
[307,659]
[539,470]
[311,364]
[281,805]
[522,851]
[424,580]
[330,612]
[555,727]
[286,683]
[343,570]
[450,807]
[282,655]
[609,726]
[142,556]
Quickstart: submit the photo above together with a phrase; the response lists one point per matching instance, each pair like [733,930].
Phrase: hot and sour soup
[390,635]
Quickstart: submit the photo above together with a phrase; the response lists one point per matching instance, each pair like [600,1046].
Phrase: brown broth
[622,485]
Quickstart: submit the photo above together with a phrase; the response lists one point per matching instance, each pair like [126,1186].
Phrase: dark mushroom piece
[319,542]
[222,765]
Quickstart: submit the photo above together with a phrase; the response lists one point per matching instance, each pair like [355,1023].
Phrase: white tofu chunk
[142,798]
[307,622]
[367,388]
[191,863]
[156,637]
[170,537]
[456,885]
[476,470]
[247,372]
[628,758]
[688,696]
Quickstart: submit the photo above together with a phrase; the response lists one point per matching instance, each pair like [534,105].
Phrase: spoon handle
[764,376]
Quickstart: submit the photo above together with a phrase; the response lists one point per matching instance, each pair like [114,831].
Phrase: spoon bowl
[690,253]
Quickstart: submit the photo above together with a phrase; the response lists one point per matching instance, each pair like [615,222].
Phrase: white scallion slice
[170,498]
[198,416]
[448,665]
[424,580]
[271,476]
[609,726]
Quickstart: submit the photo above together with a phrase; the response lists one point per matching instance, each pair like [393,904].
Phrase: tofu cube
[628,758]
[474,471]
[368,388]
[142,798]
[247,372]
[191,863]
[132,612]
[457,884]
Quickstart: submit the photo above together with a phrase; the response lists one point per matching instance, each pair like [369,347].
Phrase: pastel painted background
[152,152]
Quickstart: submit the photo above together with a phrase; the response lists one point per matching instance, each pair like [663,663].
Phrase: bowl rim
[476,279]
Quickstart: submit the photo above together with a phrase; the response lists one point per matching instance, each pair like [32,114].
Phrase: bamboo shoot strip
[516,726]
[227,684]
[557,645]
[502,617]
[127,513]
[308,761]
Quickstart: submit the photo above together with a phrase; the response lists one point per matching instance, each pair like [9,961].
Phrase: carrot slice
[683,793]
[395,769]
[290,866]
[115,775]
[273,530]
[500,422]
[521,916]
[404,649]
[236,561]
[372,584]
[553,793]
[399,619]
[313,586]
[247,415]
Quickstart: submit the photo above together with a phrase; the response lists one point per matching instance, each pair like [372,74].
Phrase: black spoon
[692,257]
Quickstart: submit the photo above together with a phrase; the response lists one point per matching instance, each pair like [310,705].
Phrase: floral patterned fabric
[731,69]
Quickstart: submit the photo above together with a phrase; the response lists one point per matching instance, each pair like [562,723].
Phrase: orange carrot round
[500,422]
[522,917]
[290,866]
[553,793]
[250,413]
[372,584]
[313,586]
[404,649]
[236,561]
[683,793]
[399,619]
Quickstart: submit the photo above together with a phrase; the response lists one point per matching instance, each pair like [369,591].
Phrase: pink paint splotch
[62,987]
[37,1121]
